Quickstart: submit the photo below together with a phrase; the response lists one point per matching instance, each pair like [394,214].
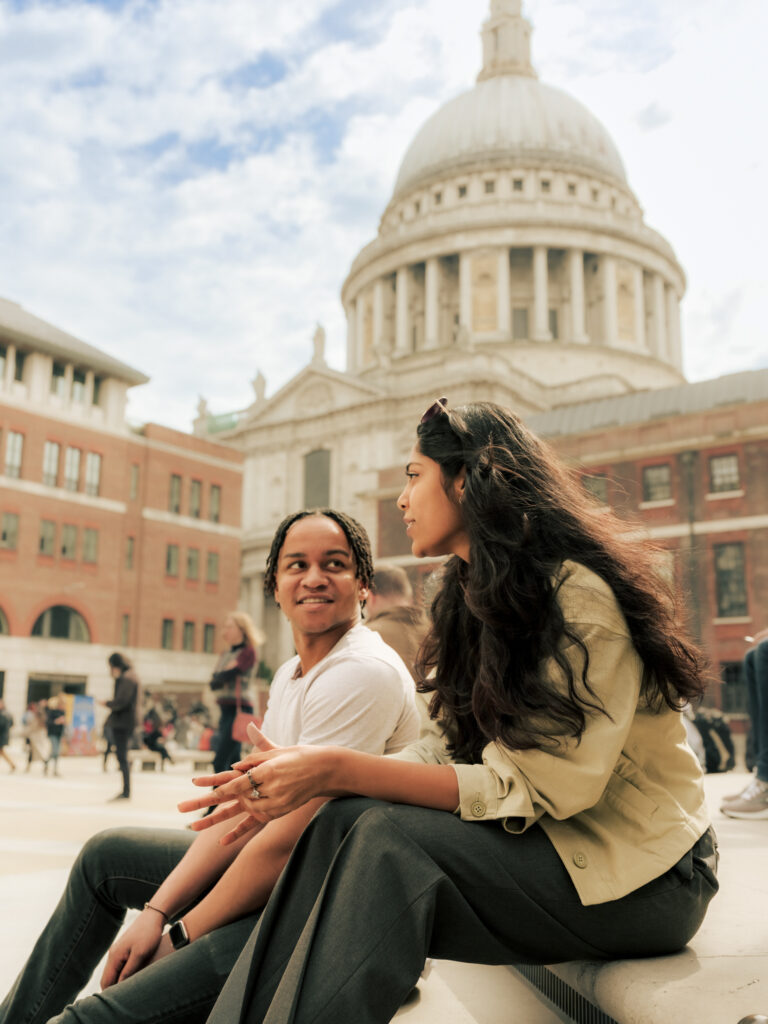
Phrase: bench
[720,978]
[150,761]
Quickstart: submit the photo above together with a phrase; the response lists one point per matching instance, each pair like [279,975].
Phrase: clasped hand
[286,778]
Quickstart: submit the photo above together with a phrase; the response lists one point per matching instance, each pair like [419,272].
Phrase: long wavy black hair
[496,620]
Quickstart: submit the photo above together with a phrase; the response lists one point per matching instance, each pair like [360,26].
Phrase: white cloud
[168,201]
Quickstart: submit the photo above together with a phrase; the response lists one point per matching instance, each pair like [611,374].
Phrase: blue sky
[184,183]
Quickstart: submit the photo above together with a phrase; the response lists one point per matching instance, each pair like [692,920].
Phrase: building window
[657,483]
[520,324]
[166,635]
[129,549]
[417,207]
[730,581]
[571,188]
[209,637]
[723,473]
[21,361]
[125,631]
[62,623]
[188,637]
[546,185]
[133,490]
[51,463]
[58,381]
[517,184]
[90,545]
[68,541]
[9,531]
[78,386]
[734,690]
[92,473]
[174,494]
[172,560]
[438,198]
[214,504]
[317,478]
[14,450]
[71,469]
[462,191]
[3,358]
[553,327]
[193,563]
[195,498]
[595,195]
[596,484]
[95,398]
[490,187]
[212,567]
[47,537]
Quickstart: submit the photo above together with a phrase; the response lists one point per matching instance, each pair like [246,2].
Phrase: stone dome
[509,118]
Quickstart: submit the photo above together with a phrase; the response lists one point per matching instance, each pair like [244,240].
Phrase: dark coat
[6,721]
[122,716]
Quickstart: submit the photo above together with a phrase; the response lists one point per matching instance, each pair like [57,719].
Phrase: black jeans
[121,738]
[115,870]
[372,889]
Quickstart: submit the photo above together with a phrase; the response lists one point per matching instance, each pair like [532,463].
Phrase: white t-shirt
[360,695]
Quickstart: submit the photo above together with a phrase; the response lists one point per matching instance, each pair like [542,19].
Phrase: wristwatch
[178,935]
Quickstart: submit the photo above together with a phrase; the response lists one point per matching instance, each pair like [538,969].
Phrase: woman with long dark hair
[550,810]
[230,681]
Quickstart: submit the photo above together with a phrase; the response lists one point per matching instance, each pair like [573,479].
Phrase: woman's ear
[459,484]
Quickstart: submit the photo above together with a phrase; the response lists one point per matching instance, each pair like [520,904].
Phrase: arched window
[62,623]
[3,623]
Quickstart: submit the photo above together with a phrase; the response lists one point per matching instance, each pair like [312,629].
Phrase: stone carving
[318,343]
[259,385]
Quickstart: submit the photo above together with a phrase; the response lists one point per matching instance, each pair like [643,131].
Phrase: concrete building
[513,263]
[110,537]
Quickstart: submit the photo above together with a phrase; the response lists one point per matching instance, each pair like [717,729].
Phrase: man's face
[316,583]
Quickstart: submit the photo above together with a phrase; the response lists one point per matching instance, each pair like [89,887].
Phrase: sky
[185,183]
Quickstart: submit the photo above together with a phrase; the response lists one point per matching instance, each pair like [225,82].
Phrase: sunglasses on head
[438,407]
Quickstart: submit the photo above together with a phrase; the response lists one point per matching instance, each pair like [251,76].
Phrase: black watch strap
[178,935]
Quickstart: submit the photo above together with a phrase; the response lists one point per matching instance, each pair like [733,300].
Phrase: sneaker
[120,796]
[753,803]
[748,789]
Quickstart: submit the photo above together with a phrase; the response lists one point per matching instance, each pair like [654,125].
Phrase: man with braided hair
[344,687]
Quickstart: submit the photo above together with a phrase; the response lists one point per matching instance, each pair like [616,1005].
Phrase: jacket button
[580,860]
[478,809]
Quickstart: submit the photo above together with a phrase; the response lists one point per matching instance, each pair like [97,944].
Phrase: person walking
[551,809]
[6,722]
[153,730]
[55,717]
[122,715]
[230,682]
[752,802]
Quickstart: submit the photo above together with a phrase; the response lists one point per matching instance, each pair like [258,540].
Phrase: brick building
[110,536]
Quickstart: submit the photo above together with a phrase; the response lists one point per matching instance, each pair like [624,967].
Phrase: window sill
[734,620]
[724,495]
[661,503]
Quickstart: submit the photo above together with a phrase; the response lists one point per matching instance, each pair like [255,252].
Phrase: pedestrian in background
[55,717]
[122,716]
[36,733]
[391,613]
[230,680]
[752,802]
[153,730]
[6,721]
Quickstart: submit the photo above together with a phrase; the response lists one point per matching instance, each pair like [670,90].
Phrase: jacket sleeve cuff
[485,796]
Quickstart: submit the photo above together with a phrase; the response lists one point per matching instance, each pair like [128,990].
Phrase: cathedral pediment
[312,392]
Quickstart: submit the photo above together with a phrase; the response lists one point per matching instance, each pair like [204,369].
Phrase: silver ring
[254,787]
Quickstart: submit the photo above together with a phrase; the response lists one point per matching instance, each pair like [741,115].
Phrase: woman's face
[433,520]
[232,633]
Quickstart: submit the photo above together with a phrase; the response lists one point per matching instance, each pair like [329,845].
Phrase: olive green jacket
[623,804]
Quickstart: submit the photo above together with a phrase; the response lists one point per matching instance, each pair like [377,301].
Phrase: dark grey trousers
[372,889]
[115,870]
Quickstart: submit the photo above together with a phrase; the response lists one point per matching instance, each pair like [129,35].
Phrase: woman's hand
[134,948]
[286,778]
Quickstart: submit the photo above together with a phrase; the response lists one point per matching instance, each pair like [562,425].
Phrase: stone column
[431,302]
[402,314]
[10,367]
[503,301]
[673,328]
[360,330]
[576,271]
[465,290]
[378,315]
[610,301]
[351,312]
[640,339]
[88,398]
[540,295]
[660,317]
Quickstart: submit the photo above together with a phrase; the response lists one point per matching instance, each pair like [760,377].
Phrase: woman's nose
[402,504]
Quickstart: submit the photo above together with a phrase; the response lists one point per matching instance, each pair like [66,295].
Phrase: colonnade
[380,318]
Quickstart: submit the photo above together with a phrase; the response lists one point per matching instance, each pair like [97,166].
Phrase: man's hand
[134,948]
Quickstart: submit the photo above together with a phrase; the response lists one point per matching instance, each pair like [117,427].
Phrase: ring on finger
[256,795]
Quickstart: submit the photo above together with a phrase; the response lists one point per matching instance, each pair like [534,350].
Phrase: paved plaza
[46,820]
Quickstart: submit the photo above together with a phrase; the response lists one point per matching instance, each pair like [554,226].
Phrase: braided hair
[356,535]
